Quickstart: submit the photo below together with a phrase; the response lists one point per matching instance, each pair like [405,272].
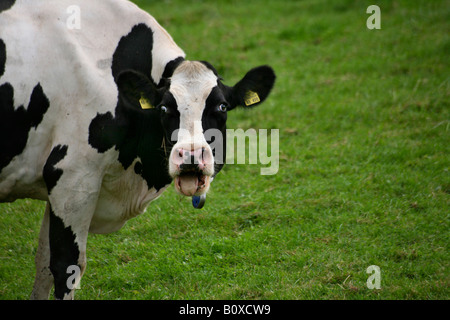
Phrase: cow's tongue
[188,184]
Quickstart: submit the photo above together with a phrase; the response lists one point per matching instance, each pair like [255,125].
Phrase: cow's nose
[191,160]
[191,169]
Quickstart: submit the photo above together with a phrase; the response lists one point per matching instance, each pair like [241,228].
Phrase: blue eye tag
[198,201]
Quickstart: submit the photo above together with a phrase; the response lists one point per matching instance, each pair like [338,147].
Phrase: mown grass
[363,178]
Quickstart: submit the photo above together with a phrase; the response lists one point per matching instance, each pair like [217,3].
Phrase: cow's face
[193,107]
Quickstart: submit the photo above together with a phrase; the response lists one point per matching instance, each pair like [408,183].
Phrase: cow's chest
[123,195]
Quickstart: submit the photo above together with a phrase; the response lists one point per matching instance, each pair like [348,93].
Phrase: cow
[98,116]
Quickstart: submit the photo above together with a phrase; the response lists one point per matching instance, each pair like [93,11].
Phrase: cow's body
[68,137]
[74,69]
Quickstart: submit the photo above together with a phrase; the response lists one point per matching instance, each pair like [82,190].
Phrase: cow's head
[193,105]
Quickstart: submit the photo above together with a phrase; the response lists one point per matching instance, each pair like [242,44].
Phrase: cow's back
[58,61]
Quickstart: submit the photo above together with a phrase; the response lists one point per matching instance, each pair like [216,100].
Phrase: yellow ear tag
[145,104]
[251,97]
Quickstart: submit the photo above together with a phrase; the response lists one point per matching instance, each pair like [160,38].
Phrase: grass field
[364,165]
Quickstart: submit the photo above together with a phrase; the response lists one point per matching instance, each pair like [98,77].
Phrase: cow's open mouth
[192,183]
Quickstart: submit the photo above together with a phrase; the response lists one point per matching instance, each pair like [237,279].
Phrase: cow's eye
[222,107]
[164,109]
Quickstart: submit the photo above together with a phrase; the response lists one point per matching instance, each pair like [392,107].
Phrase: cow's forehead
[191,84]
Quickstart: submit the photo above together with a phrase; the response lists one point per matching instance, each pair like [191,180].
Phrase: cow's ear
[137,91]
[253,89]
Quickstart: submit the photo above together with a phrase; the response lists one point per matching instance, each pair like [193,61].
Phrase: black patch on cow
[134,136]
[171,119]
[64,252]
[15,124]
[2,57]
[138,168]
[132,131]
[134,52]
[105,131]
[6,4]
[214,118]
[52,174]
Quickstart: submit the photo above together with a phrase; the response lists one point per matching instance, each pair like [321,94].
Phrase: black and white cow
[99,118]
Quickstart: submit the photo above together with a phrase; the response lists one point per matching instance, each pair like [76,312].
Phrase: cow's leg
[69,221]
[67,255]
[72,200]
[44,279]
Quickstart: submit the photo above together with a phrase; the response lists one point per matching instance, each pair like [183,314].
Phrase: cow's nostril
[188,160]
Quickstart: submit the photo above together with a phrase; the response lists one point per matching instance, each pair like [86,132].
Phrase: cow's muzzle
[191,169]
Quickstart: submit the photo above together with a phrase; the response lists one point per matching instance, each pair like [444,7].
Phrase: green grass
[364,159]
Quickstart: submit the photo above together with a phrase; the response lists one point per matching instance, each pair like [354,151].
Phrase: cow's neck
[145,141]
